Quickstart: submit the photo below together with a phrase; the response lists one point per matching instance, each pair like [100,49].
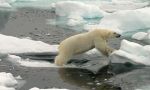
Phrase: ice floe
[67,8]
[28,62]
[4,4]
[132,52]
[77,11]
[142,36]
[14,45]
[11,46]
[126,22]
[7,81]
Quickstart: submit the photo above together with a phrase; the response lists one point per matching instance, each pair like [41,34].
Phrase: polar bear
[83,42]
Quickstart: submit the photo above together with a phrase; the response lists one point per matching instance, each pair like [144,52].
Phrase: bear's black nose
[118,35]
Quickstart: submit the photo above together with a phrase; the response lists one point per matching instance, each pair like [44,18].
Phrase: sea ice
[134,52]
[14,45]
[76,11]
[4,4]
[7,81]
[28,62]
[126,22]
[142,36]
[67,8]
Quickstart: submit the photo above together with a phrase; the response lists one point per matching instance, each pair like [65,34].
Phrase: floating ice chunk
[139,35]
[66,8]
[134,52]
[77,12]
[18,77]
[93,52]
[6,88]
[7,79]
[142,36]
[35,88]
[127,22]
[10,44]
[4,4]
[29,63]
[74,20]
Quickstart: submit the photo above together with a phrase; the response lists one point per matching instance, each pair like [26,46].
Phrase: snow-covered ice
[126,22]
[67,8]
[142,36]
[28,62]
[74,20]
[35,88]
[7,81]
[134,52]
[6,88]
[77,11]
[14,45]
[4,4]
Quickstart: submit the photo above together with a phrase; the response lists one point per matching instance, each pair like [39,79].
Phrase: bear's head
[107,34]
[114,35]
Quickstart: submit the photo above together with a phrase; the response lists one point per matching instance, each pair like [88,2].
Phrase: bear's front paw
[109,51]
[59,62]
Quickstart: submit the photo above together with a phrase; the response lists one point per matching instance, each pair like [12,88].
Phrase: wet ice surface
[31,23]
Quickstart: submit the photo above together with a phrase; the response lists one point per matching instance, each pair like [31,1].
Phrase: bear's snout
[118,35]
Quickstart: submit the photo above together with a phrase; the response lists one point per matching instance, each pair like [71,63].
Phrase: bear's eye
[114,33]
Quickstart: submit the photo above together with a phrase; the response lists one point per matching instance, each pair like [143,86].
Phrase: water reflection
[4,16]
[86,79]
[119,68]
